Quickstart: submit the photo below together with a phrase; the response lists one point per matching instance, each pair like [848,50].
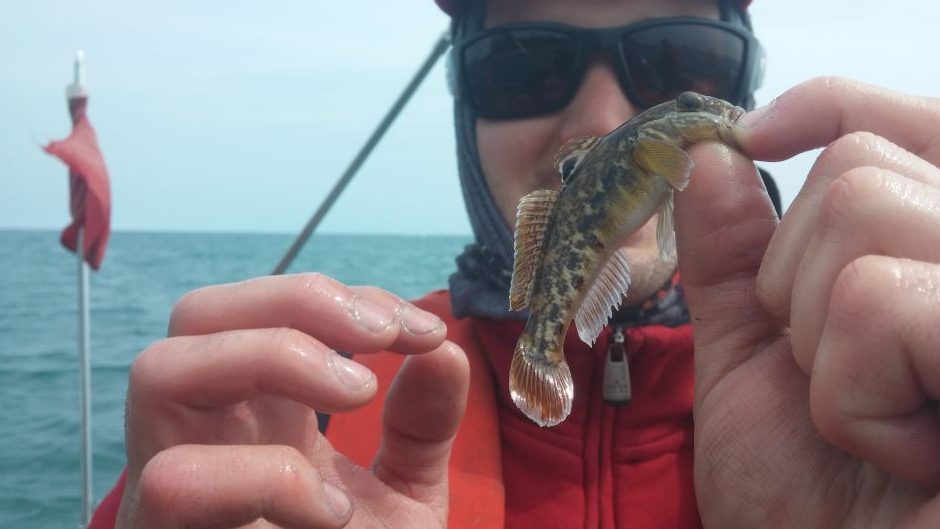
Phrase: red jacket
[604,467]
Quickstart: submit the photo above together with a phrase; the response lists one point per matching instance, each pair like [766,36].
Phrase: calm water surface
[142,276]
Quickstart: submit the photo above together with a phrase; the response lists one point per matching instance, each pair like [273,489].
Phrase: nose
[599,106]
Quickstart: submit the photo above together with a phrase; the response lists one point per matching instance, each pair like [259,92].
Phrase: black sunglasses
[530,69]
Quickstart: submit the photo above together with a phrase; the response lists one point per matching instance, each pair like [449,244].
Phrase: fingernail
[752,118]
[352,374]
[336,500]
[369,315]
[418,322]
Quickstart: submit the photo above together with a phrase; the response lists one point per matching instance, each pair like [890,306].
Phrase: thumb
[423,409]
[724,220]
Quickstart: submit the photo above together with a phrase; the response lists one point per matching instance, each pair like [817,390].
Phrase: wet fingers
[418,330]
[226,368]
[195,486]
[876,378]
[357,320]
[789,243]
[868,211]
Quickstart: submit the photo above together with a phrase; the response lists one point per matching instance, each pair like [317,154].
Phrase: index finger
[822,110]
[359,320]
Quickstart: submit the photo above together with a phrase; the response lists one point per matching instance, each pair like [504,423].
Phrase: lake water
[142,276]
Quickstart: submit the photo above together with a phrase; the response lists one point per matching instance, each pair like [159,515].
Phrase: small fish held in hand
[569,261]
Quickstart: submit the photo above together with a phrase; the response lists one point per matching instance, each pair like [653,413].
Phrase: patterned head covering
[480,286]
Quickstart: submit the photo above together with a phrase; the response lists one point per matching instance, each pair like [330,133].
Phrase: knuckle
[308,291]
[848,147]
[389,303]
[287,340]
[771,294]
[845,202]
[855,297]
[186,308]
[164,478]
[862,181]
[147,365]
[378,294]
[315,282]
[822,88]
[295,479]
[289,456]
[295,470]
[827,83]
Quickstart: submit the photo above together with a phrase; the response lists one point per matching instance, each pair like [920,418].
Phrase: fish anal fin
[571,153]
[604,296]
[665,160]
[532,217]
[665,229]
[543,390]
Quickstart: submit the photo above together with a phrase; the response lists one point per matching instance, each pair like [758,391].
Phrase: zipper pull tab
[617,388]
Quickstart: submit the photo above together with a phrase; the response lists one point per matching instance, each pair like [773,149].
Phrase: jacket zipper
[617,389]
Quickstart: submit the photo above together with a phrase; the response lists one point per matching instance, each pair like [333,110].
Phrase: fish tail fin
[542,389]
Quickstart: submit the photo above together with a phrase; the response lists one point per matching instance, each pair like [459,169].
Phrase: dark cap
[451,6]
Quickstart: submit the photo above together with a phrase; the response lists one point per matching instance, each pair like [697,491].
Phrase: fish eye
[690,101]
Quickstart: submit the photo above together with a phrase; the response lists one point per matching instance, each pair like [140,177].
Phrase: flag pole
[84,378]
[439,48]
[74,91]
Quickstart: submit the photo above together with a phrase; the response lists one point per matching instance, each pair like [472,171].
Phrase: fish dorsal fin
[571,153]
[532,216]
[665,160]
[665,229]
[604,296]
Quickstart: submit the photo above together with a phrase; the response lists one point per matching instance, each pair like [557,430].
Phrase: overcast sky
[239,116]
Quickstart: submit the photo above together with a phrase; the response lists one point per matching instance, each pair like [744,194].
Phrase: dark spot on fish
[573,261]
[578,281]
[690,101]
[559,327]
[553,312]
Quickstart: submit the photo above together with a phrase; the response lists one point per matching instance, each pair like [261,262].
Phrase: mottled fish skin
[606,198]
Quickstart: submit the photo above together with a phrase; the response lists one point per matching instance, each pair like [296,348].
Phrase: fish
[569,261]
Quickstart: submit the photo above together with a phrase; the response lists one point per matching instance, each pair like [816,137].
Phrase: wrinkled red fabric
[105,516]
[604,467]
[89,188]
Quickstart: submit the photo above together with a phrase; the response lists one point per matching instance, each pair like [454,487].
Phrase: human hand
[221,429]
[816,340]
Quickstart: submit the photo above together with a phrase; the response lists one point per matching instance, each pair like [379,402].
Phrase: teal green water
[142,276]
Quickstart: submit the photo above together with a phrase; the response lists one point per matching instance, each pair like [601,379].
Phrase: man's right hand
[221,429]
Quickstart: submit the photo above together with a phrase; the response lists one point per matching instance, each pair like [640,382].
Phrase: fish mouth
[725,130]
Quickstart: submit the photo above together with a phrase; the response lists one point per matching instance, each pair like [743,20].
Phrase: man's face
[516,154]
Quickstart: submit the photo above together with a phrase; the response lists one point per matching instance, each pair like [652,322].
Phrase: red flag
[89,189]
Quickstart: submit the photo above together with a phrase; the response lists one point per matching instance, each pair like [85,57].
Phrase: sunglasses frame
[610,40]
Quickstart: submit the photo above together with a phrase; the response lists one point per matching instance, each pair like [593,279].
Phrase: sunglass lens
[664,61]
[520,73]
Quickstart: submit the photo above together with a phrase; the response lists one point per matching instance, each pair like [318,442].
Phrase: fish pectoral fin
[665,160]
[540,388]
[604,296]
[532,216]
[665,229]
[571,153]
